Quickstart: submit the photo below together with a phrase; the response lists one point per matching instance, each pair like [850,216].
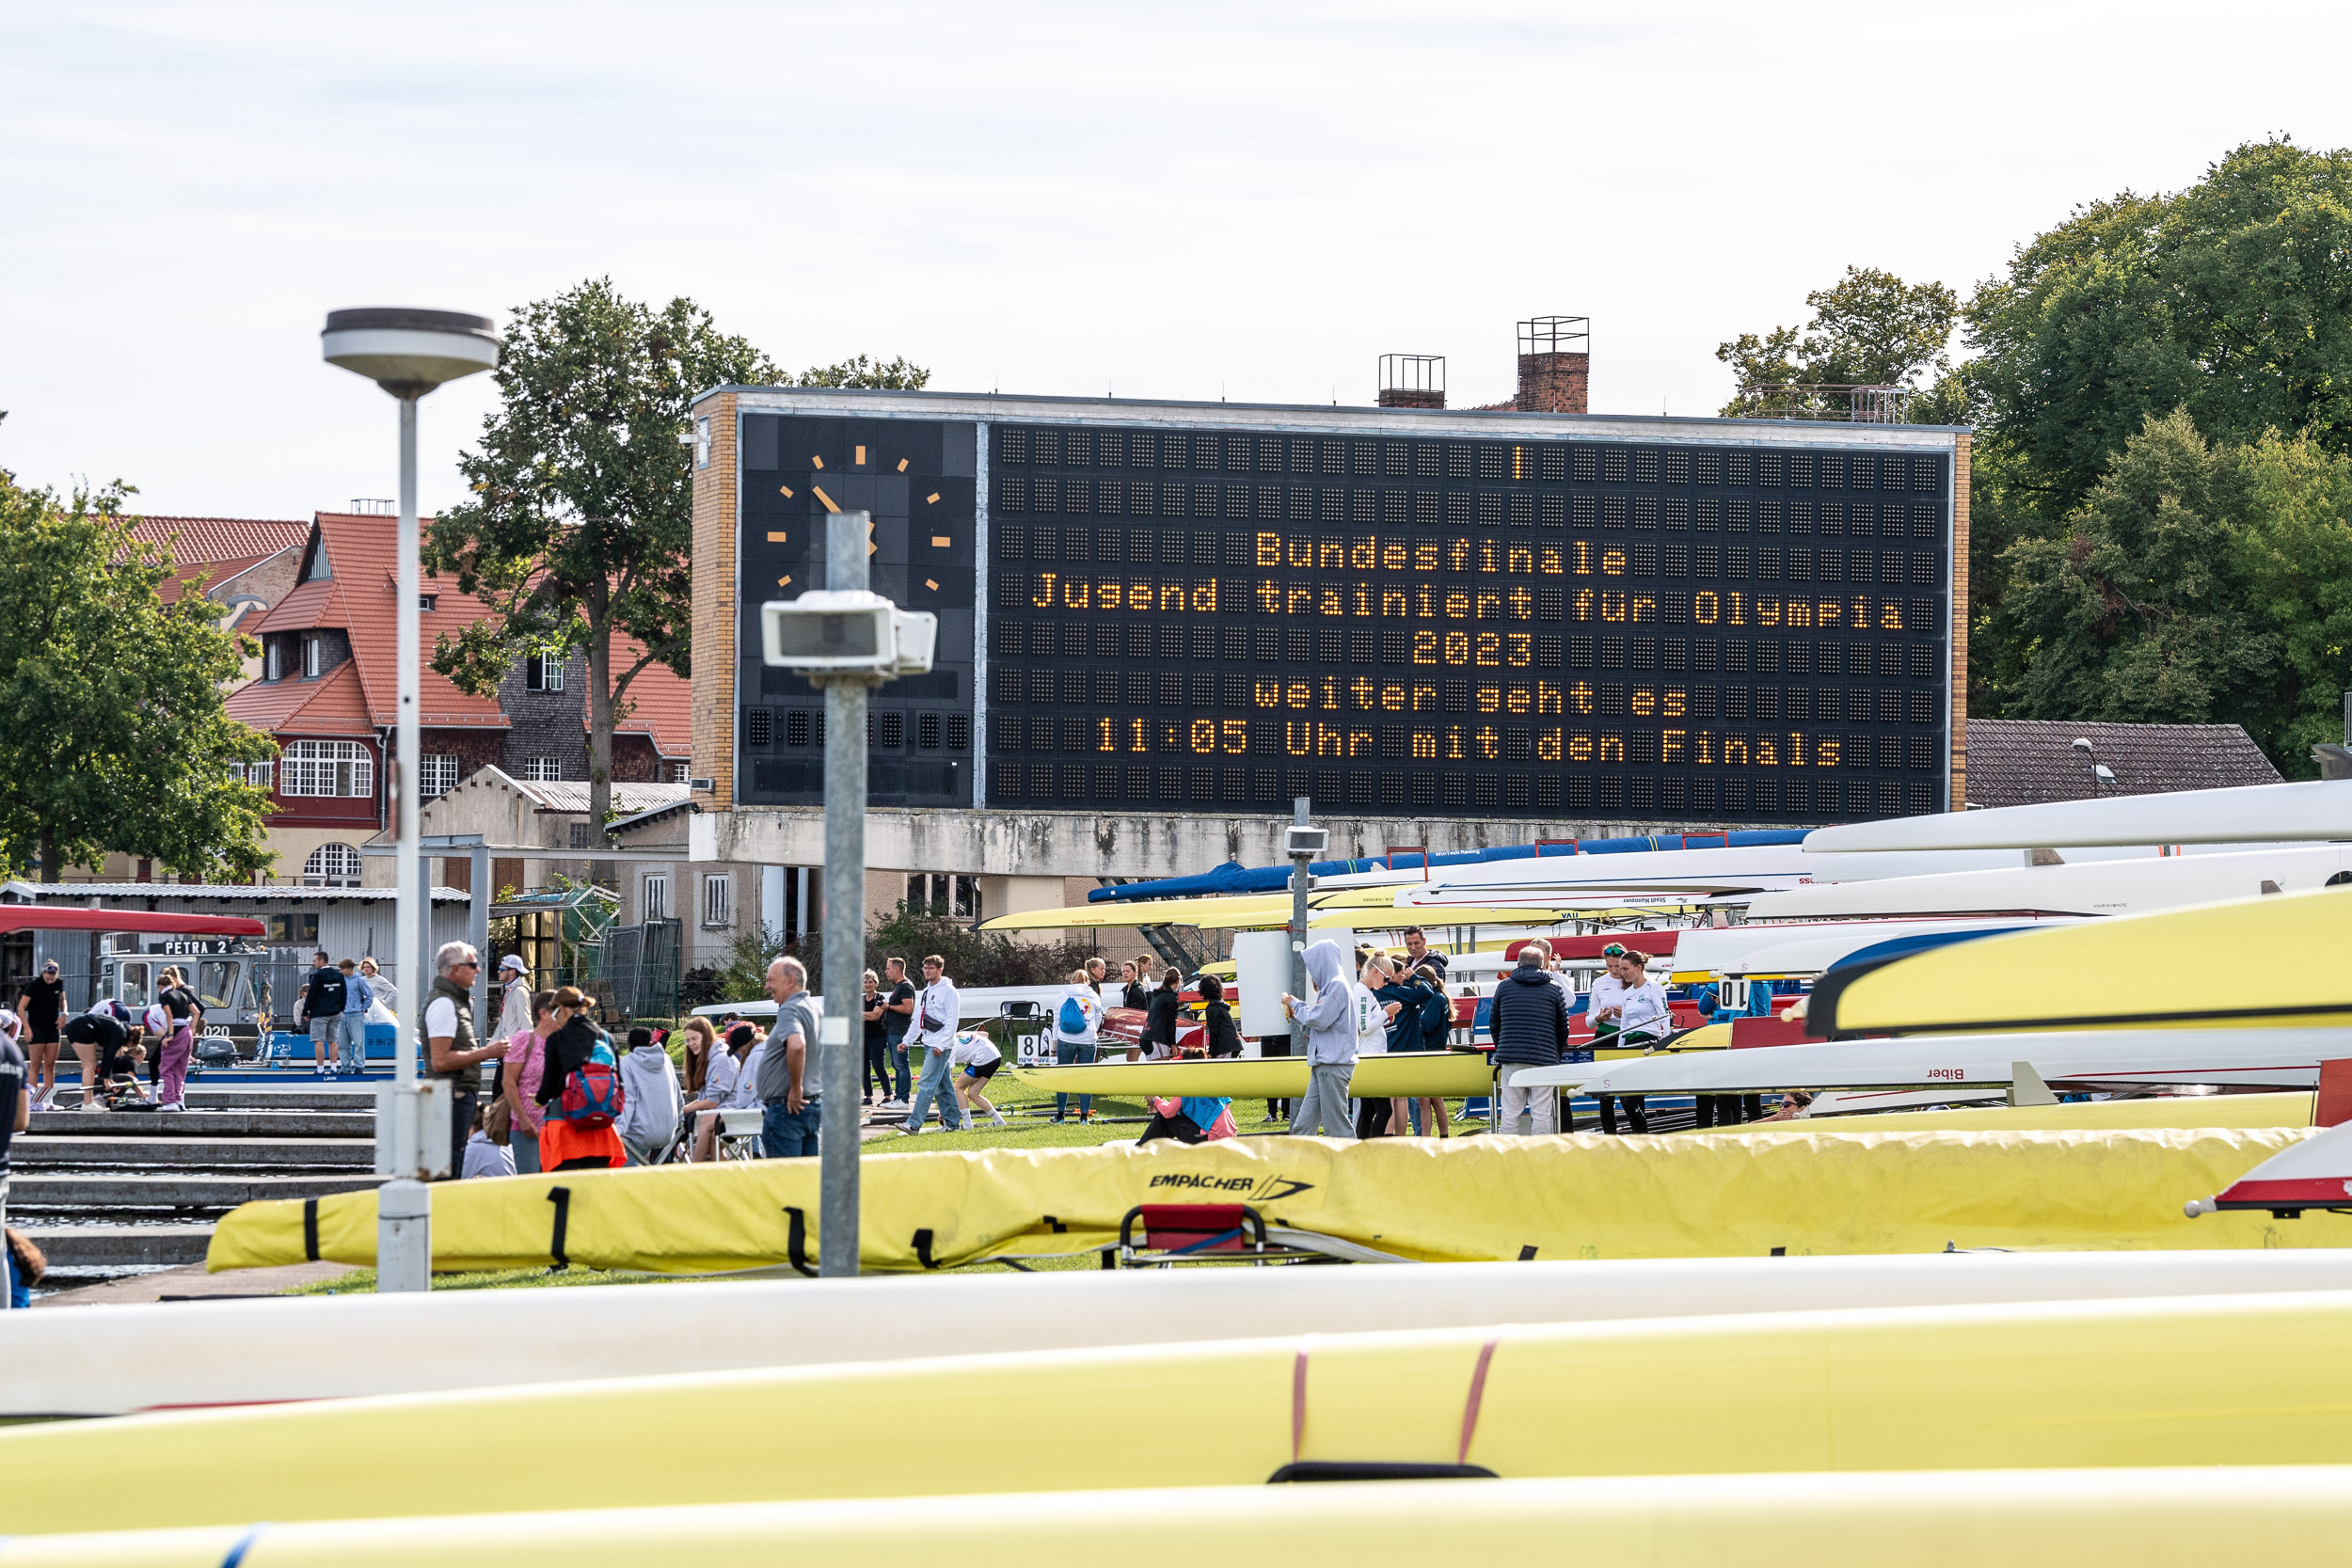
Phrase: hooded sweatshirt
[649,1106]
[1530,1020]
[1329,1018]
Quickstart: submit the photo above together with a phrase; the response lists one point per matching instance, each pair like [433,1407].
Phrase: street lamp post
[408,352]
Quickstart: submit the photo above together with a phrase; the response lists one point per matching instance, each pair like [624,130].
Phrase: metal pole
[1298,920]
[479,934]
[845,923]
[404,1246]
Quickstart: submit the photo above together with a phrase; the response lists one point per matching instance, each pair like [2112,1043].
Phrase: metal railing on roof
[1853,403]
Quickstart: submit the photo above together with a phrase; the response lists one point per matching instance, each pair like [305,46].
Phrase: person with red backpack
[580,1090]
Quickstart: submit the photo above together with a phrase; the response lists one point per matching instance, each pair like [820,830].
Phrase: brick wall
[1960,622]
[714,605]
[1554,383]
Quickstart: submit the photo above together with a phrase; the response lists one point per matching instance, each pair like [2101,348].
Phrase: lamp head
[409,352]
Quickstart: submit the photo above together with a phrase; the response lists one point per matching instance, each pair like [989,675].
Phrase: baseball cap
[515,962]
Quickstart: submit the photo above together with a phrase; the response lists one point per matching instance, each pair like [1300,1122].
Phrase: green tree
[893,375]
[118,739]
[2199,582]
[1868,328]
[2232,299]
[581,528]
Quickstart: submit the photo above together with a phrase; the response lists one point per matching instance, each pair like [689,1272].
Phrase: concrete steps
[38,1151]
[223,1124]
[115,1192]
[97,1248]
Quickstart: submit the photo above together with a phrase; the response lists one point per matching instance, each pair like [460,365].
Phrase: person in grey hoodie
[1329,1023]
[649,1098]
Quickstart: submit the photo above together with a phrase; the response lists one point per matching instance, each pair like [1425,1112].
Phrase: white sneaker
[175,1105]
[1000,1118]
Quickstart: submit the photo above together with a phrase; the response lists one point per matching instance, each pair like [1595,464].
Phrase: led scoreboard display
[1161,618]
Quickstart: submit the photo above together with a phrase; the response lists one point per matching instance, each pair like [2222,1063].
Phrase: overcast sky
[1183,200]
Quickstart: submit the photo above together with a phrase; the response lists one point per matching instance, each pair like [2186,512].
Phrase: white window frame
[262,775]
[313,656]
[273,658]
[436,775]
[543,671]
[718,901]
[331,865]
[654,898]
[543,769]
[325,769]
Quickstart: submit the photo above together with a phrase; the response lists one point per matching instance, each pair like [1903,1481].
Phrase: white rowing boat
[2078,1059]
[2104,887]
[2252,814]
[112,1360]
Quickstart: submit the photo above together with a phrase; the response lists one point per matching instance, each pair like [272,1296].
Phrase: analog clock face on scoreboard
[1211,620]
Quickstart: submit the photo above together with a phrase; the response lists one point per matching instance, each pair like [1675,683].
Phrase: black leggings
[876,1068]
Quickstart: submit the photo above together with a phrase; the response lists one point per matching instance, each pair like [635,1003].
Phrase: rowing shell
[1444,1073]
[2093,1058]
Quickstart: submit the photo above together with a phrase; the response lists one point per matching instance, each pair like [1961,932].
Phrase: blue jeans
[899,1066]
[1069,1053]
[351,1041]
[933,1086]
[525,1145]
[789,1134]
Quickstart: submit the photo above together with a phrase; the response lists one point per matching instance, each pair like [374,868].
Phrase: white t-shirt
[974,1049]
[937,1000]
[1644,1007]
[440,1019]
[1092,1006]
[1371,1020]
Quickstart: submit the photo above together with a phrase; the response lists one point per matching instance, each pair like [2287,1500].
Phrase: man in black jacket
[322,1007]
[1530,1025]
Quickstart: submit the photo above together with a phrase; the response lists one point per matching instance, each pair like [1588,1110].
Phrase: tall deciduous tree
[2199,582]
[116,737]
[580,527]
[2232,299]
[1868,328]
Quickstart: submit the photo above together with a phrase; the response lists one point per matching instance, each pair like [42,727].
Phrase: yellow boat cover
[2163,969]
[1464,1199]
[2066,1385]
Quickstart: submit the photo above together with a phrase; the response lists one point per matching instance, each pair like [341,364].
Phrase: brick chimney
[1555,365]
[1412,381]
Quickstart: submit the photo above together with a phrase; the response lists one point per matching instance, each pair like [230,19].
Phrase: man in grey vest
[450,1055]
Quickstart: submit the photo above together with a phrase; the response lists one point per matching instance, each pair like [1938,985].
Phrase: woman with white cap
[514,1008]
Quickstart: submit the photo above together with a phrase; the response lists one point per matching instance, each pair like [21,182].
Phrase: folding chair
[1173,1233]
[739,1133]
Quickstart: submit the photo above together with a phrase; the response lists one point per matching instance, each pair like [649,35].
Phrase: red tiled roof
[661,704]
[334,705]
[214,572]
[359,599]
[220,539]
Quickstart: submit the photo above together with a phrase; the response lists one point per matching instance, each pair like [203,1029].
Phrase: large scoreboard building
[1170,619]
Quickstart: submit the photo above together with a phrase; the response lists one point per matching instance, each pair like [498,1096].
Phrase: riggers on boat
[116,1360]
[2152,1518]
[2176,1381]
[1459,1200]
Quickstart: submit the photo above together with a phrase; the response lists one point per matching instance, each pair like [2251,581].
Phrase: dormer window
[313,657]
[428,601]
[273,658]
[543,672]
